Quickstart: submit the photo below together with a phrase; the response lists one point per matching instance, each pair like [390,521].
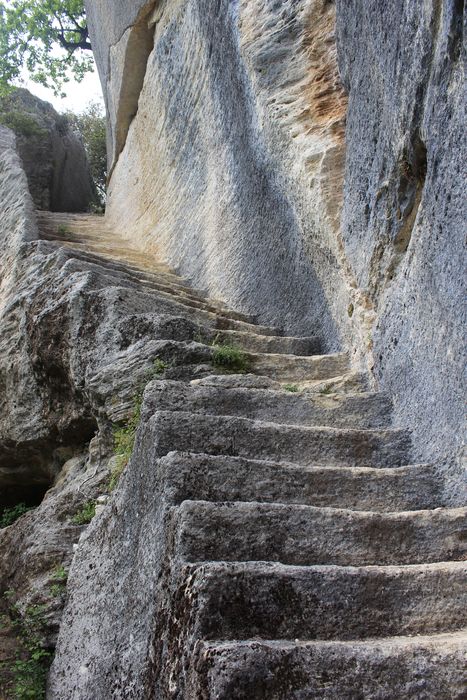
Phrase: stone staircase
[305,556]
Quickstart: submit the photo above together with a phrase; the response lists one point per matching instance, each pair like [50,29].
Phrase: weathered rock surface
[253,503]
[223,192]
[405,206]
[81,325]
[329,201]
[53,155]
[235,544]
[275,533]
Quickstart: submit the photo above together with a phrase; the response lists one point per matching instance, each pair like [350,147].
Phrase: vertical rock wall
[405,204]
[232,165]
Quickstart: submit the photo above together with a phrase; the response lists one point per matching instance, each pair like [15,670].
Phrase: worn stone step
[109,264]
[292,368]
[158,278]
[256,599]
[216,320]
[350,382]
[252,342]
[134,266]
[138,268]
[305,535]
[189,300]
[221,478]
[423,667]
[340,411]
[191,432]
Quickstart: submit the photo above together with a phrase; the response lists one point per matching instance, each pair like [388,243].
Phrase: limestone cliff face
[405,204]
[237,156]
[229,163]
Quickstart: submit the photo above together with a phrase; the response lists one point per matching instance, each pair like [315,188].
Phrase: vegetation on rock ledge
[85,514]
[28,672]
[124,440]
[10,515]
[229,357]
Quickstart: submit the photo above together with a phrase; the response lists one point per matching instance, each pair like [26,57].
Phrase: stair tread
[422,667]
[237,600]
[228,478]
[365,410]
[243,437]
[303,534]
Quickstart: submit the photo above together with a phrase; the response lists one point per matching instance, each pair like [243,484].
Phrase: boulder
[53,155]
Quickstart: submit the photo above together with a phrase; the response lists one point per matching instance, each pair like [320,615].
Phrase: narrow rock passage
[302,554]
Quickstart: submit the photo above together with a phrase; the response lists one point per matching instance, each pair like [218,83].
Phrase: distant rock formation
[53,155]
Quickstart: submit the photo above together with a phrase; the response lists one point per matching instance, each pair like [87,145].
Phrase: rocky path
[304,555]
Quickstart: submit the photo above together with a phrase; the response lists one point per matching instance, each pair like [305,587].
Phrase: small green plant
[158,368]
[10,515]
[124,440]
[59,574]
[350,310]
[56,590]
[230,357]
[85,514]
[21,123]
[28,672]
[326,390]
[59,577]
[63,229]
[293,388]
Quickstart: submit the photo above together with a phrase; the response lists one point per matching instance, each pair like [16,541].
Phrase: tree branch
[71,46]
[83,32]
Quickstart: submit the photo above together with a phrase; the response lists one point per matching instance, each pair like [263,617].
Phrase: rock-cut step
[303,535]
[365,410]
[191,432]
[256,343]
[293,368]
[430,667]
[242,600]
[137,276]
[205,477]
[117,275]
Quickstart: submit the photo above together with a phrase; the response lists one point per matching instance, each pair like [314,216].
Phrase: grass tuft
[293,388]
[59,578]
[230,357]
[10,515]
[27,674]
[158,368]
[85,514]
[124,440]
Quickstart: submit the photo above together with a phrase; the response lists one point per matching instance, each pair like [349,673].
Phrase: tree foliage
[47,38]
[90,124]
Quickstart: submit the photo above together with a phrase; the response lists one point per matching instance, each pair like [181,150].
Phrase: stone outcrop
[270,529]
[53,155]
[252,503]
